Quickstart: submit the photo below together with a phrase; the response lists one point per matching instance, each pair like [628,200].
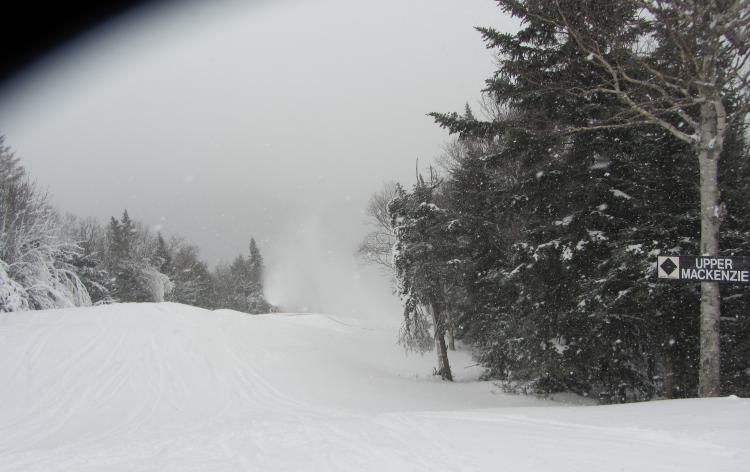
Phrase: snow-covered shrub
[32,246]
[156,284]
[13,296]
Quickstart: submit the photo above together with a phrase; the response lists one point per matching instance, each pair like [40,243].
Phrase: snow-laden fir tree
[239,286]
[129,261]
[561,222]
[424,273]
[193,282]
[677,67]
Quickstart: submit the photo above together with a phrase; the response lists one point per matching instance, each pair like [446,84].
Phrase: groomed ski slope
[167,387]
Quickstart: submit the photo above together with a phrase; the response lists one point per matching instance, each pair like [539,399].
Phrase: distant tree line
[536,239]
[53,261]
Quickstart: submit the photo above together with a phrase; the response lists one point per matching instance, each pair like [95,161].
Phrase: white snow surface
[166,387]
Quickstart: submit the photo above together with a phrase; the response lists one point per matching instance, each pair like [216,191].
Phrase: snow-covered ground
[166,387]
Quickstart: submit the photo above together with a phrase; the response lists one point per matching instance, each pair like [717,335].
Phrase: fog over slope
[226,119]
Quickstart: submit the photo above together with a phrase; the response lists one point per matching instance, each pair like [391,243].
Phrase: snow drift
[168,387]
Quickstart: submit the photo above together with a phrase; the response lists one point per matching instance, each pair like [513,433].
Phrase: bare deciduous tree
[377,246]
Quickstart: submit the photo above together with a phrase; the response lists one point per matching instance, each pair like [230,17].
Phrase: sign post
[704,269]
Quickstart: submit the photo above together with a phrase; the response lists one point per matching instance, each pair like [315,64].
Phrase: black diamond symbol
[668,266]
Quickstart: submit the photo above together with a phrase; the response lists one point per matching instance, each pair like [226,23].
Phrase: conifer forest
[534,237]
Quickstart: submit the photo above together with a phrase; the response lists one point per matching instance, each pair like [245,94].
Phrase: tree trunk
[713,125]
[668,373]
[451,338]
[444,368]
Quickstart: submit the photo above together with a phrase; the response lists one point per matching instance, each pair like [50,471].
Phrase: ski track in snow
[165,387]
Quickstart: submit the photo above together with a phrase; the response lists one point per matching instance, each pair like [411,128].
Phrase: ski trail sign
[704,269]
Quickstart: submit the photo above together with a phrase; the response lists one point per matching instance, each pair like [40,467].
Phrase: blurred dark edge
[33,29]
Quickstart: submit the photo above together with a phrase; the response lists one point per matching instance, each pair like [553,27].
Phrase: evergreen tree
[423,270]
[557,232]
[129,261]
[256,302]
[579,67]
[239,286]
[255,266]
[193,282]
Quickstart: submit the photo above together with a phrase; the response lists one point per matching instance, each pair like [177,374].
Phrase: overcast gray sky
[225,119]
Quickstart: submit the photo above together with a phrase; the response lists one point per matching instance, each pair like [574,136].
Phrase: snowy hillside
[167,387]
